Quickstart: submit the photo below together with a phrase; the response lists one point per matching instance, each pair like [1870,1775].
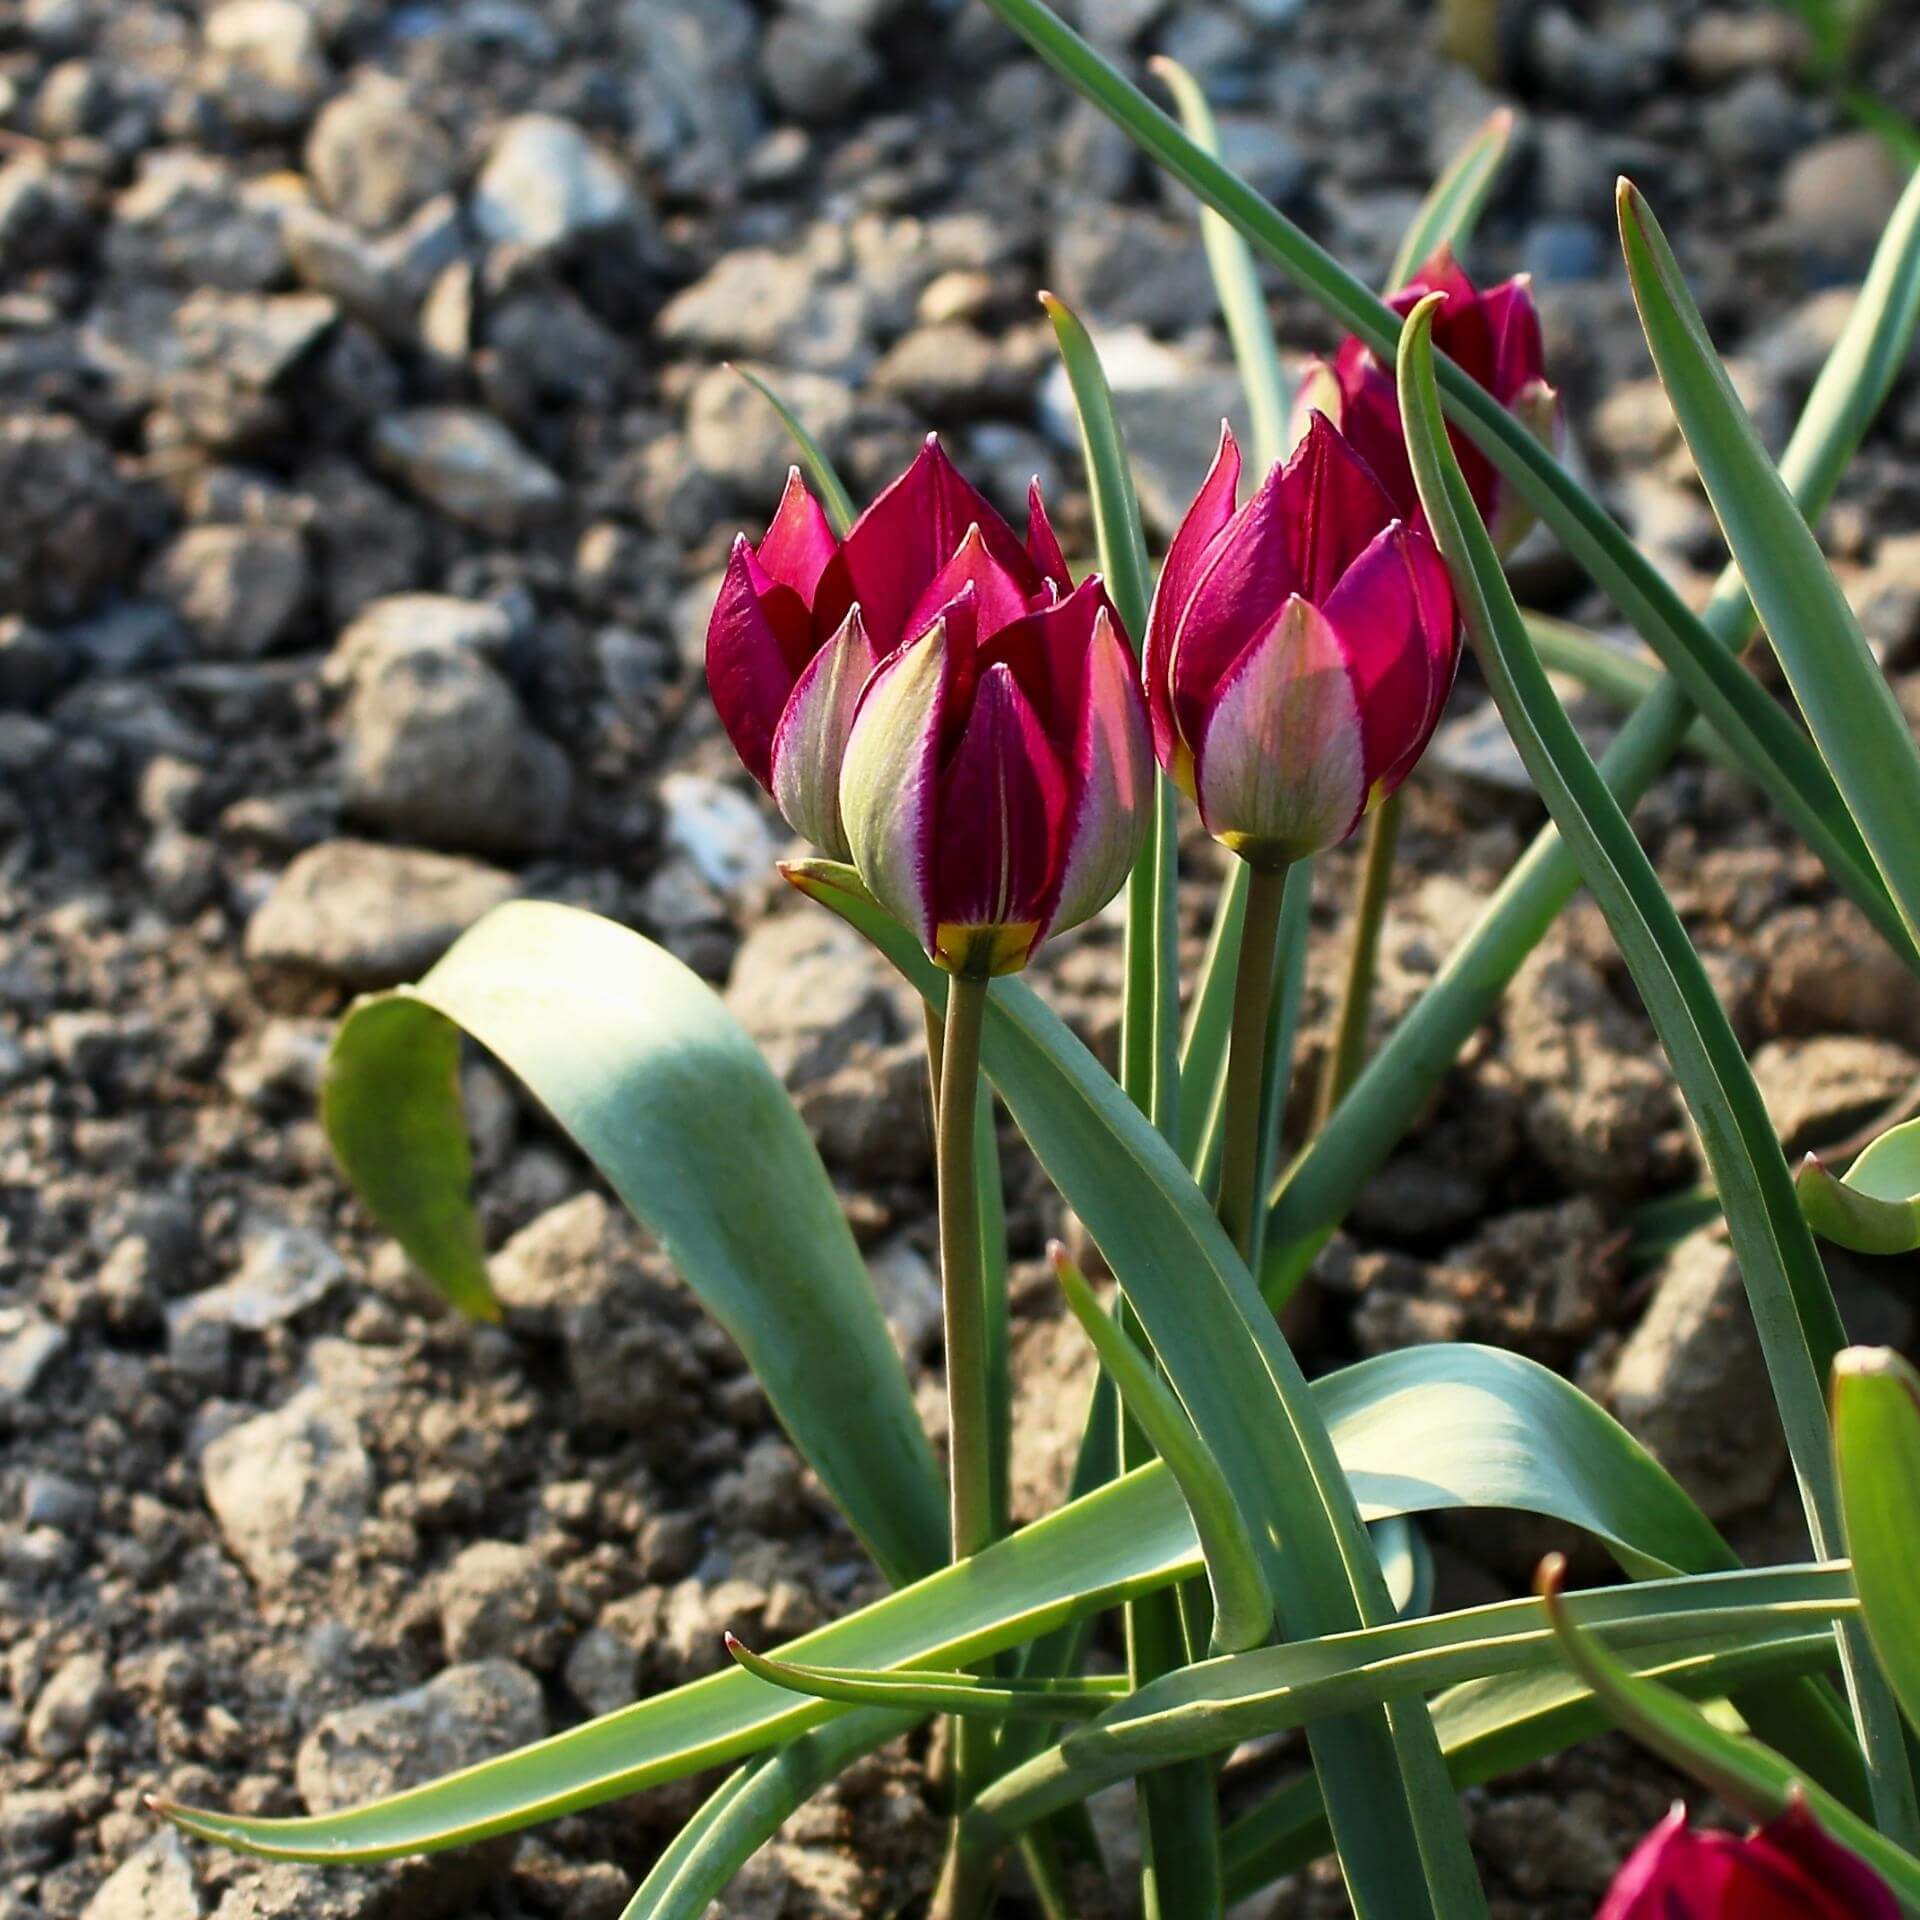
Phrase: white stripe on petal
[1281,771]
[811,740]
[887,779]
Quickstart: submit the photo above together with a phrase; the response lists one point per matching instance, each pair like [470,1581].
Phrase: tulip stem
[1348,1053]
[970,1449]
[1246,1054]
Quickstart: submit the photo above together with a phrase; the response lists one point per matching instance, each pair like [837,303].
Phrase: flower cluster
[933,698]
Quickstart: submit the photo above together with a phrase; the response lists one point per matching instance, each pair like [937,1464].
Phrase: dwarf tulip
[802,620]
[1787,1870]
[1495,337]
[1299,650]
[999,779]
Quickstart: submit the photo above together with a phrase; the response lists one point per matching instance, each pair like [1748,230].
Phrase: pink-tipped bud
[1299,652]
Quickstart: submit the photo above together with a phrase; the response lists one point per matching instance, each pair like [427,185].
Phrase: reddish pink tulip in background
[1787,1870]
[1495,337]
[1299,651]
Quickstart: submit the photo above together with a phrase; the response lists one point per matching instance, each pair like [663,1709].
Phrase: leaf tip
[1549,1582]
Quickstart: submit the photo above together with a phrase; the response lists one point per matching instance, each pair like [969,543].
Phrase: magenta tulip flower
[1299,651]
[999,778]
[1495,337]
[1787,1870]
[802,620]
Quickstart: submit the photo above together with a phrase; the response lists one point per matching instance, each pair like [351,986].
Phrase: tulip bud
[1786,1870]
[1495,338]
[802,619]
[1299,651]
[998,781]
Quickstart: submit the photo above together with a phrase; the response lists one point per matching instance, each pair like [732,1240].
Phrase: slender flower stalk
[962,1269]
[963,1293]
[1348,1053]
[1241,1175]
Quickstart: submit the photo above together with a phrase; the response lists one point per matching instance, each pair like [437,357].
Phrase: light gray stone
[736,437]
[264,61]
[363,915]
[1691,1382]
[156,1882]
[239,588]
[466,1714]
[545,185]
[374,156]
[289,1488]
[809,990]
[468,465]
[438,748]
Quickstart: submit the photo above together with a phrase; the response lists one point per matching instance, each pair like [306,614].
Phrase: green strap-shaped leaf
[1876,1442]
[1242,1606]
[1494,1429]
[1780,756]
[635,1056]
[1210,1708]
[821,470]
[1793,1307]
[1236,285]
[1622,679]
[1455,201]
[1501,1724]
[1396,1085]
[1148,1061]
[1747,1776]
[921,1691]
[1875,1206]
[1865,738]
[748,1808]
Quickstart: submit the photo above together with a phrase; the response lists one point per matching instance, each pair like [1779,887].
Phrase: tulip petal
[1213,507]
[1280,772]
[894,550]
[1043,544]
[1667,1877]
[889,774]
[1110,775]
[749,670]
[1047,650]
[1369,417]
[1394,613]
[810,743]
[1519,353]
[1001,816]
[1838,1884]
[1244,578]
[799,542]
[1331,504]
[999,598]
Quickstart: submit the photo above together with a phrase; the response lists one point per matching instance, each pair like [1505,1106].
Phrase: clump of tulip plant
[985,746]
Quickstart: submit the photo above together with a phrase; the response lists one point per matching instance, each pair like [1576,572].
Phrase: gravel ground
[366,457]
